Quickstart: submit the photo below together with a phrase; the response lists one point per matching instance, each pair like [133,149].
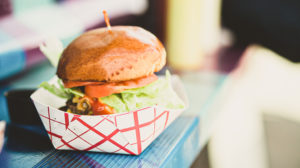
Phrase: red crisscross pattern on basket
[137,126]
[120,147]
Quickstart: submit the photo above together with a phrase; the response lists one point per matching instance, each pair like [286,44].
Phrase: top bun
[124,53]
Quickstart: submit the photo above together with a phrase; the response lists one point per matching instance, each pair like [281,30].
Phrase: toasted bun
[127,52]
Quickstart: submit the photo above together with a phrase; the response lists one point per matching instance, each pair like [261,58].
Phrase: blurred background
[238,60]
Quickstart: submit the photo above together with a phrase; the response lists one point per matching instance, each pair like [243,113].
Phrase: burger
[108,71]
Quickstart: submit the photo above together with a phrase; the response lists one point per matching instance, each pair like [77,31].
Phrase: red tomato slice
[71,84]
[117,87]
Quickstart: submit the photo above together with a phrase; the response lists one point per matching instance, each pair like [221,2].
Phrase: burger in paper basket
[106,97]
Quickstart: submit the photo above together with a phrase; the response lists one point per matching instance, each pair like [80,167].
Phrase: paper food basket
[124,133]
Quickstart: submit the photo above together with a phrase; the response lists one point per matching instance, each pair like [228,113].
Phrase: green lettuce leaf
[115,101]
[159,93]
[61,91]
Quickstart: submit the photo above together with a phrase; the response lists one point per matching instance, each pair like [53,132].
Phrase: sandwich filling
[111,98]
[91,102]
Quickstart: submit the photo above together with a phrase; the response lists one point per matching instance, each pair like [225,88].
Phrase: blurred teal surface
[27,80]
[24,5]
[32,78]
[11,61]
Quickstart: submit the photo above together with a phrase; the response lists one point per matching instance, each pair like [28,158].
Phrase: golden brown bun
[127,52]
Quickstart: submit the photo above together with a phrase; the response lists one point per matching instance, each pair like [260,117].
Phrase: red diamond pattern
[127,133]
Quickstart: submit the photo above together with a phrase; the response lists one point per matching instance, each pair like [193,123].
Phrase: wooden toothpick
[106,20]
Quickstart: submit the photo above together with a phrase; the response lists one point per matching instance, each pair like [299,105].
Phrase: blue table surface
[28,146]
